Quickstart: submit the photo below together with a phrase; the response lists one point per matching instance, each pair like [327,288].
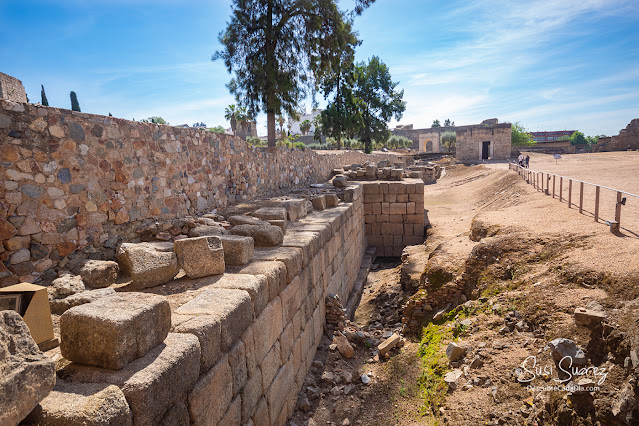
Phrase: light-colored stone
[59,306]
[245,220]
[257,288]
[270,213]
[99,273]
[343,345]
[147,266]
[27,374]
[319,202]
[211,395]
[82,404]
[263,235]
[207,329]
[454,351]
[331,200]
[451,378]
[238,249]
[201,256]
[114,330]
[587,317]
[64,286]
[388,344]
[340,181]
[232,307]
[153,383]
[207,230]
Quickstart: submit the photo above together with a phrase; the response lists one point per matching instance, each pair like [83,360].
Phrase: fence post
[569,193]
[581,197]
[561,189]
[597,190]
[618,209]
[553,185]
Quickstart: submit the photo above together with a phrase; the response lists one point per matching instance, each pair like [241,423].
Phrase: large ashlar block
[232,307]
[82,404]
[319,202]
[238,249]
[295,208]
[207,329]
[114,330]
[310,225]
[269,324]
[309,242]
[27,374]
[211,395]
[263,235]
[274,271]
[271,213]
[153,383]
[290,256]
[257,288]
[147,266]
[201,256]
[279,390]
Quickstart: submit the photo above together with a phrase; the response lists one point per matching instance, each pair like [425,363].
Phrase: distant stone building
[627,138]
[476,142]
[12,89]
[294,125]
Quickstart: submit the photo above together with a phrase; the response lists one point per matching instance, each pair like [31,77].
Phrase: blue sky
[551,65]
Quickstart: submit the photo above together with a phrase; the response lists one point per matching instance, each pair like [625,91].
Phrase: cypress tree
[110,115]
[75,106]
[43,95]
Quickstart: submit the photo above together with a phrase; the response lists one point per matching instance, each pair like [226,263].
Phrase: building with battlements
[12,89]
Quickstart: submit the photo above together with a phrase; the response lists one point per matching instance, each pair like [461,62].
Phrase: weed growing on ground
[434,366]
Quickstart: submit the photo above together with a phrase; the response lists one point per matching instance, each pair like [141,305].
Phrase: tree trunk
[339,141]
[270,127]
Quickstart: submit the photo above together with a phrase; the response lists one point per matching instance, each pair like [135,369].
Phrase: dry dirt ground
[539,261]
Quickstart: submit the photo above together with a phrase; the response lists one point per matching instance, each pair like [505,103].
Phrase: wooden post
[569,193]
[618,208]
[597,191]
[553,185]
[561,189]
[581,197]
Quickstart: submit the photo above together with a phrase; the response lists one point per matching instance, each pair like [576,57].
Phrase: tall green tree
[578,138]
[520,136]
[43,95]
[436,124]
[449,140]
[376,101]
[448,123]
[75,105]
[278,49]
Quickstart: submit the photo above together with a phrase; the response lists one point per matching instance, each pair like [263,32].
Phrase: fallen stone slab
[263,235]
[245,220]
[114,330]
[587,317]
[27,374]
[561,348]
[59,306]
[99,273]
[147,266]
[451,378]
[207,230]
[153,383]
[387,345]
[270,213]
[82,404]
[238,249]
[232,307]
[65,286]
[454,352]
[343,345]
[200,257]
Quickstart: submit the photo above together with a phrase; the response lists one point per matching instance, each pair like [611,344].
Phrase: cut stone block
[64,286]
[238,249]
[82,404]
[201,256]
[308,242]
[279,223]
[256,287]
[153,383]
[211,395]
[274,271]
[177,415]
[319,202]
[295,208]
[232,307]
[291,256]
[270,213]
[207,329]
[147,266]
[99,273]
[207,230]
[332,200]
[588,317]
[60,306]
[114,330]
[27,374]
[264,235]
[245,220]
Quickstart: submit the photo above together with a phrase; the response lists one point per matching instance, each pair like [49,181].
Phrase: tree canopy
[578,138]
[279,50]
[520,136]
[436,123]
[154,120]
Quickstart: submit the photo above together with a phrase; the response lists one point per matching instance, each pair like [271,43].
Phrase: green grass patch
[434,366]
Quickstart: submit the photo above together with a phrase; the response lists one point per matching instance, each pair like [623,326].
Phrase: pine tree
[110,115]
[43,95]
[75,106]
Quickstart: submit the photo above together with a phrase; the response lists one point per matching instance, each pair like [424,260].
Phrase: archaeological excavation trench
[186,272]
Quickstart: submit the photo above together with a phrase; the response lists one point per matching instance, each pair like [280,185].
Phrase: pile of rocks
[383,170]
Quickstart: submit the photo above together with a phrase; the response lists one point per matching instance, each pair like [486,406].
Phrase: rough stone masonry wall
[394,215]
[73,181]
[470,138]
[12,89]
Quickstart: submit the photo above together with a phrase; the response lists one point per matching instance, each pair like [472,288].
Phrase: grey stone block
[201,256]
[238,249]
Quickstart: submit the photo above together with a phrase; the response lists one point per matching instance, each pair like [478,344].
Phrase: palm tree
[281,120]
[305,127]
[230,115]
[241,117]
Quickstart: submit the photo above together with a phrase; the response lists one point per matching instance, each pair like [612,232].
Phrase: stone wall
[76,182]
[394,215]
[470,140]
[627,138]
[12,89]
